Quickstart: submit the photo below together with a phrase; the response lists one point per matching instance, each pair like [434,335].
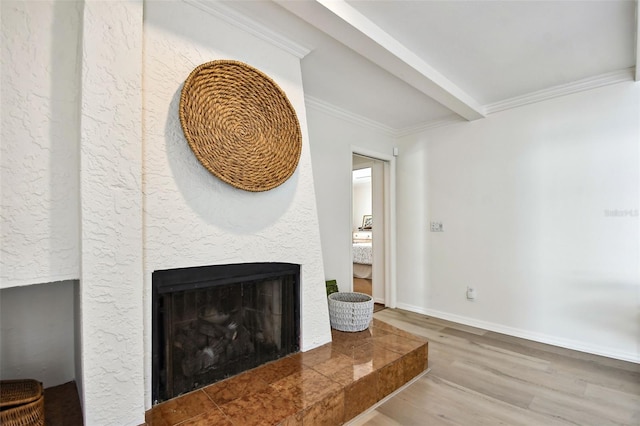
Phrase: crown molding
[589,83]
[429,125]
[343,114]
[601,80]
[238,20]
[562,90]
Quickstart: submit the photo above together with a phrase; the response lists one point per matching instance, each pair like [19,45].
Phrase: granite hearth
[329,385]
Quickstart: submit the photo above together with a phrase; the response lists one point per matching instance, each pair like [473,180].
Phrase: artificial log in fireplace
[212,322]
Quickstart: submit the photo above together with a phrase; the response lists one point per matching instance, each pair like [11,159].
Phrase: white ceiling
[410,64]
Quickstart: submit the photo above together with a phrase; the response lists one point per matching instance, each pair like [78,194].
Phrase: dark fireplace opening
[213,322]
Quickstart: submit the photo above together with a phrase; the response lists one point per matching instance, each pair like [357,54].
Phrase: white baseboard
[526,334]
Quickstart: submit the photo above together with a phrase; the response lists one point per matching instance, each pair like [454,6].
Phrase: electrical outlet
[471,293]
[436,227]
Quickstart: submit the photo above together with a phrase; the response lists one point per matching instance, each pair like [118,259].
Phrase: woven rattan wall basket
[240,125]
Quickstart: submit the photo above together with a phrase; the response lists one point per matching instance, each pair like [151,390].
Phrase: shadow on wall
[215,201]
[38,332]
[64,137]
[609,308]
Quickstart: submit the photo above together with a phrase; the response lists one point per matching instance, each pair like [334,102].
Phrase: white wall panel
[37,333]
[39,148]
[332,140]
[540,212]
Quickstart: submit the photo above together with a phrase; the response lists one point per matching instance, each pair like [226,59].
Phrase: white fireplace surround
[125,195]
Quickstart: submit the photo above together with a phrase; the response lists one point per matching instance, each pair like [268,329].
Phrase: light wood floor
[479,377]
[362,285]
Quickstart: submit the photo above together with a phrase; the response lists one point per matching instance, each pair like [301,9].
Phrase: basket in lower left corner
[350,311]
[21,403]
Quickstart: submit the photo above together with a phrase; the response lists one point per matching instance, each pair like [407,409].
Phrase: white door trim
[390,219]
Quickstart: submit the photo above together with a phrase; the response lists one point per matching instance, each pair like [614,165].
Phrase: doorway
[370,227]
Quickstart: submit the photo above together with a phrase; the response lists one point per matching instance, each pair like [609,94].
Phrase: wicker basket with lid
[21,403]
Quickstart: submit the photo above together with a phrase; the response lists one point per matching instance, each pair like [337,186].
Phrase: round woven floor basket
[240,125]
[350,311]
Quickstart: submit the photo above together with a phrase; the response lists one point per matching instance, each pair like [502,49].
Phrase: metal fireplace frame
[170,281]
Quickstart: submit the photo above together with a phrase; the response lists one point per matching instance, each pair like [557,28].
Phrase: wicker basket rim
[18,392]
[31,414]
[340,294]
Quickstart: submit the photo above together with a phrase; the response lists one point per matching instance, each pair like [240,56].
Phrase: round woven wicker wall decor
[240,125]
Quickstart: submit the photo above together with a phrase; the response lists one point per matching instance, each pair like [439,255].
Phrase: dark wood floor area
[478,377]
[62,406]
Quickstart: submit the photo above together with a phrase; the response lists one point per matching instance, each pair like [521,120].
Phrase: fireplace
[212,322]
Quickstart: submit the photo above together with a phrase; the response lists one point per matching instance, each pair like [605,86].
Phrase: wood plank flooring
[362,285]
[480,377]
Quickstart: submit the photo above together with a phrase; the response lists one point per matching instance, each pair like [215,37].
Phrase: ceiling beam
[341,21]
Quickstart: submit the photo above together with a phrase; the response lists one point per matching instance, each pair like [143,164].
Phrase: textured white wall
[332,139]
[37,333]
[540,212]
[111,282]
[191,217]
[39,148]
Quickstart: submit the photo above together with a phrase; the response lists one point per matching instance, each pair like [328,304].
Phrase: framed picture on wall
[367,221]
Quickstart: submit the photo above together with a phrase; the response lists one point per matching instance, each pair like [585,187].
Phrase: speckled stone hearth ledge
[328,385]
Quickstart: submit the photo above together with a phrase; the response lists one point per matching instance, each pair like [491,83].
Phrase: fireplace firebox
[213,322]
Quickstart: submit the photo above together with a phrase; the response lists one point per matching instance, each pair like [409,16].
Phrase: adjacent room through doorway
[368,227]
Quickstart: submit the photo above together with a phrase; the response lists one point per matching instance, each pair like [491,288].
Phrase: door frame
[389,182]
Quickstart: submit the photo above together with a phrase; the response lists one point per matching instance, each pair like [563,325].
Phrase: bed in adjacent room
[362,259]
